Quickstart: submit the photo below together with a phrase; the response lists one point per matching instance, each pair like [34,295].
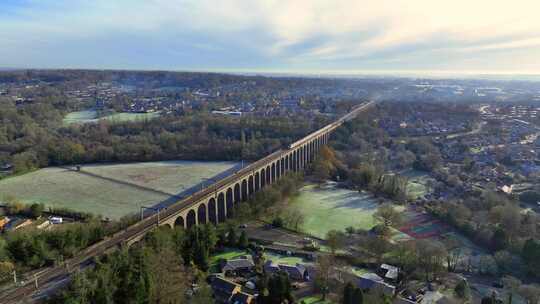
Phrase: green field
[314,300]
[418,183]
[89,116]
[285,260]
[228,254]
[111,190]
[330,208]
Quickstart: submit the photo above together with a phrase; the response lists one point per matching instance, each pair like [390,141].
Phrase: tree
[324,268]
[388,215]
[335,240]
[531,255]
[358,296]
[512,285]
[36,210]
[321,170]
[243,241]
[279,289]
[352,294]
[231,237]
[277,222]
[348,291]
[489,300]
[431,257]
[6,269]
[462,289]
[531,293]
[499,241]
[203,295]
[168,277]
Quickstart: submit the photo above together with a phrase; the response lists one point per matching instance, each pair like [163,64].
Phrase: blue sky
[314,36]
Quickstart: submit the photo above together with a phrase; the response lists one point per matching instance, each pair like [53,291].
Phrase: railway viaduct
[216,203]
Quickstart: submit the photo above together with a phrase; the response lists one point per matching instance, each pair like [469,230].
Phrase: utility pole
[35,281]
[15,277]
[151,208]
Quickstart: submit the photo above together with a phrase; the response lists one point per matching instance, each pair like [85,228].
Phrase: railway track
[53,274]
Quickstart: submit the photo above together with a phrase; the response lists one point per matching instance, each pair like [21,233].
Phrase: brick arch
[229,202]
[263,177]
[201,214]
[212,211]
[257,181]
[191,219]
[237,193]
[222,211]
[179,222]
[251,184]
[244,190]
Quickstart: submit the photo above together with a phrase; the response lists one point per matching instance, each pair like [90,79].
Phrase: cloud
[273,34]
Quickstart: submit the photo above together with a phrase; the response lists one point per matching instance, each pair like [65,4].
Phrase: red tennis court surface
[420,225]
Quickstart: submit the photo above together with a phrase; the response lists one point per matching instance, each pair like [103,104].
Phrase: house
[242,298]
[371,281]
[17,223]
[297,272]
[241,265]
[224,290]
[389,272]
[3,221]
[270,267]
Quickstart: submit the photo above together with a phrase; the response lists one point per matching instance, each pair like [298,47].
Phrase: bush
[277,222]
[462,289]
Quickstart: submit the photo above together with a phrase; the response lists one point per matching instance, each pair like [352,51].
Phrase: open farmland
[89,116]
[112,190]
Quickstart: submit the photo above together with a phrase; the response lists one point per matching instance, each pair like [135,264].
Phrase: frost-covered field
[329,208]
[88,116]
[110,190]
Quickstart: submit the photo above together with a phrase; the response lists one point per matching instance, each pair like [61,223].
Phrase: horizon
[299,37]
[438,75]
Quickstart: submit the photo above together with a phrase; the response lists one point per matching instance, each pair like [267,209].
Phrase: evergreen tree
[531,255]
[499,240]
[348,291]
[243,240]
[358,296]
[231,237]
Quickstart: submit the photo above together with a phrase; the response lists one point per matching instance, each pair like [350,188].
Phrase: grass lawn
[358,271]
[121,117]
[285,260]
[80,117]
[227,255]
[314,300]
[329,208]
[58,187]
[417,183]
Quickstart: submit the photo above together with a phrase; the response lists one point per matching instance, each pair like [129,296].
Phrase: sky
[296,36]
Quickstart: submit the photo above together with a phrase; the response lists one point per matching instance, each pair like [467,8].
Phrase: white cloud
[292,30]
